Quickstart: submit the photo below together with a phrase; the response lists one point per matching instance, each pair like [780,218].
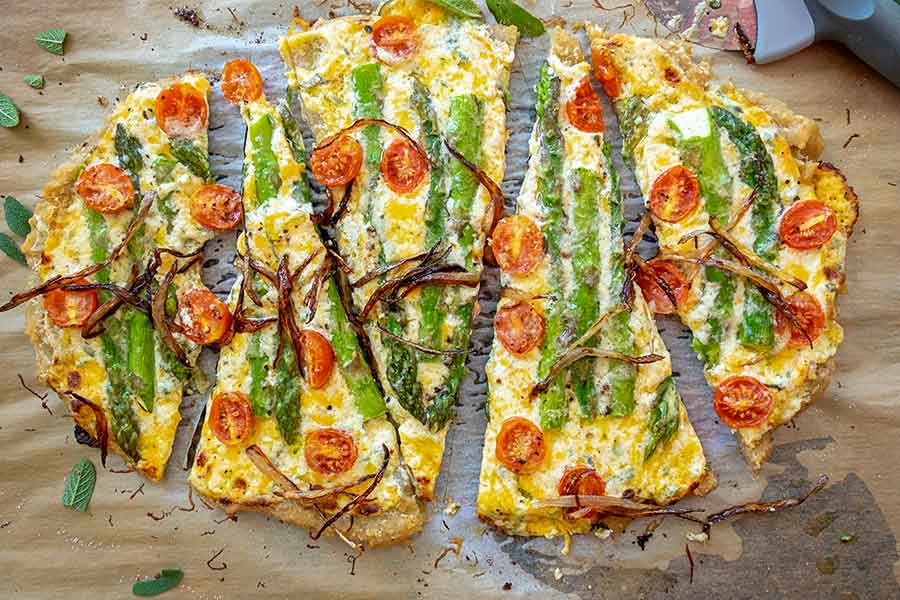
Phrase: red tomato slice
[584,110]
[329,451]
[605,71]
[520,445]
[669,272]
[519,327]
[742,401]
[395,39]
[71,309]
[337,163]
[403,167]
[807,225]
[810,314]
[517,244]
[581,481]
[231,417]
[675,194]
[319,357]
[217,207]
[241,81]
[181,111]
[105,188]
[208,318]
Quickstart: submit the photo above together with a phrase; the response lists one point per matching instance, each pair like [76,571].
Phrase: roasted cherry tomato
[675,194]
[403,167]
[241,81]
[656,297]
[207,318]
[583,109]
[70,309]
[605,71]
[105,188]
[807,225]
[217,207]
[395,39]
[517,244]
[742,401]
[520,445]
[337,162]
[810,314]
[231,417]
[581,481]
[318,356]
[181,111]
[519,327]
[329,451]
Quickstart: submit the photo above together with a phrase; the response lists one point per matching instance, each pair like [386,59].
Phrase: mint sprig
[35,81]
[165,581]
[52,40]
[80,485]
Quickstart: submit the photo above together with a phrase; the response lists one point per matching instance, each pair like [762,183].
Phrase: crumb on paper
[603,533]
[188,15]
[557,574]
[567,546]
[102,101]
[701,537]
[675,22]
[719,26]
[452,509]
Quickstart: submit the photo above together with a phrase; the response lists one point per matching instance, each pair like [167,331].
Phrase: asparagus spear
[464,133]
[709,351]
[439,412]
[141,358]
[633,124]
[403,379]
[259,362]
[665,416]
[285,394]
[265,163]
[123,420]
[128,149]
[367,85]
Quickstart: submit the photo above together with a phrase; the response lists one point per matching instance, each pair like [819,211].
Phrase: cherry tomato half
[581,481]
[810,314]
[807,225]
[231,417]
[519,327]
[337,162]
[71,309]
[208,318]
[520,445]
[675,194]
[403,167]
[517,244]
[584,110]
[217,207]
[669,272]
[319,357]
[105,188]
[395,39]
[743,401]
[241,81]
[181,111]
[329,451]
[605,71]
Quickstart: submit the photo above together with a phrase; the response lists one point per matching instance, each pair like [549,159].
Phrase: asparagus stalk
[141,358]
[285,394]
[403,379]
[123,420]
[710,350]
[665,416]
[464,129]
[265,163]
[259,362]
[367,85]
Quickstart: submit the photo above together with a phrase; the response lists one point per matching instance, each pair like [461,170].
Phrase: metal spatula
[773,29]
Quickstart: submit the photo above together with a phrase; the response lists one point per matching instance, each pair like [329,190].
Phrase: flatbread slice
[295,425]
[124,202]
[759,291]
[409,212]
[610,424]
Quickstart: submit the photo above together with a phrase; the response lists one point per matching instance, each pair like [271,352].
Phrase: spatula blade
[710,23]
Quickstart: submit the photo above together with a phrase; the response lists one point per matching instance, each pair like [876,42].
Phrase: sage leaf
[17,216]
[51,40]
[35,81]
[80,485]
[9,114]
[462,8]
[165,581]
[11,249]
[508,12]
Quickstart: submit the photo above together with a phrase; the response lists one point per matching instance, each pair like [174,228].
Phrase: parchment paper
[850,434]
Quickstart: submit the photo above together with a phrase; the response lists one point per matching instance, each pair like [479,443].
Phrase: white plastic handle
[782,28]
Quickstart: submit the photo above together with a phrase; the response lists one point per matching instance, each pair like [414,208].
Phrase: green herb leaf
[193,157]
[463,8]
[11,249]
[9,114]
[17,216]
[35,81]
[128,149]
[80,485]
[165,581]
[51,40]
[665,417]
[508,12]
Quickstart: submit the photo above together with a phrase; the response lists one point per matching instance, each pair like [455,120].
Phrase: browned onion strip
[161,321]
[332,215]
[262,462]
[311,301]
[380,123]
[637,236]
[426,256]
[318,494]
[302,266]
[726,265]
[247,284]
[287,320]
[441,278]
[195,439]
[125,295]
[244,325]
[338,260]
[357,499]
[662,283]
[609,505]
[519,296]
[627,294]
[91,327]
[784,308]
[421,348]
[767,507]
[100,426]
[593,329]
[496,194]
[58,281]
[750,258]
[577,354]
